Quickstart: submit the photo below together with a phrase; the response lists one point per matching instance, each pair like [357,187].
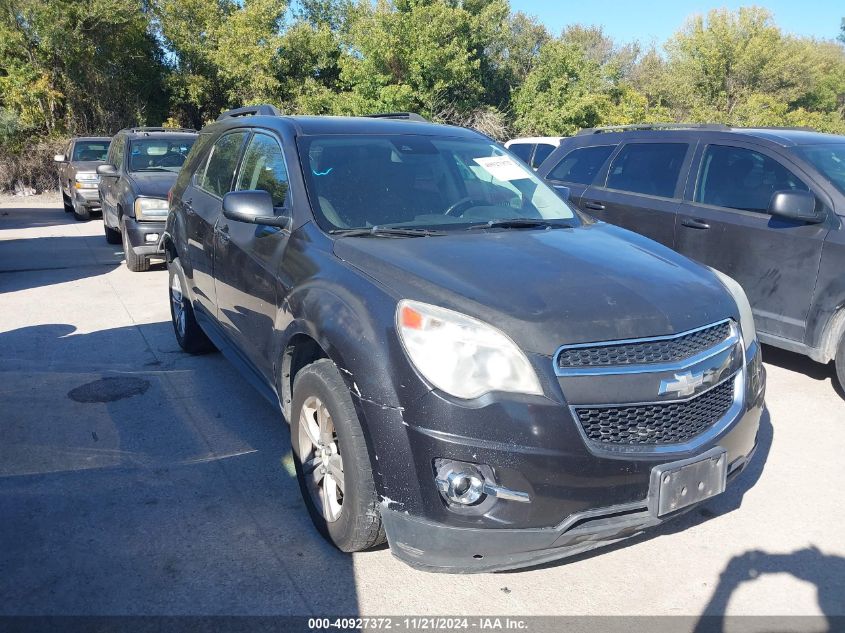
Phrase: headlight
[461,355]
[746,317]
[86,180]
[150,209]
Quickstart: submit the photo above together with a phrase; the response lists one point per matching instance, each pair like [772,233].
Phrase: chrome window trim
[641,368]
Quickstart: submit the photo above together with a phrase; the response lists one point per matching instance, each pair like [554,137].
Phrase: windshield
[418,181]
[829,160]
[90,150]
[159,154]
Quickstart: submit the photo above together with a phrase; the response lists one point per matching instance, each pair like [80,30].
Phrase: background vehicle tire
[135,263]
[840,363]
[112,235]
[188,332]
[332,461]
[80,213]
[66,204]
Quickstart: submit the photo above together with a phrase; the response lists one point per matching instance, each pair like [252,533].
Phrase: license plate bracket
[680,484]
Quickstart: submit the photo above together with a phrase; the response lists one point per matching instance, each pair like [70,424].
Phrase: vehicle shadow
[12,217]
[723,504]
[801,364]
[825,571]
[138,480]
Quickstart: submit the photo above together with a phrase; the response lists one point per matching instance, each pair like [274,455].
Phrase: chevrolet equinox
[471,369]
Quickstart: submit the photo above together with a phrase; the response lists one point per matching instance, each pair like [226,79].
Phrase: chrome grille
[658,350]
[652,424]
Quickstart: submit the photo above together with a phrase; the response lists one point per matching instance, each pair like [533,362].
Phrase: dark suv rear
[141,167]
[764,206]
[470,368]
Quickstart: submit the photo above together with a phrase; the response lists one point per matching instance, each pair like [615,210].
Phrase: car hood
[153,184]
[86,165]
[547,288]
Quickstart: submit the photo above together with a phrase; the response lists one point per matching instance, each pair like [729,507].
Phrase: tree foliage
[82,66]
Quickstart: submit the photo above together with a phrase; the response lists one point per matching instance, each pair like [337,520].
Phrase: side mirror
[254,207]
[797,206]
[60,158]
[562,191]
[107,171]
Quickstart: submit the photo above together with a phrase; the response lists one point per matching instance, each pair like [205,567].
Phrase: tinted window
[582,165]
[118,152]
[523,150]
[647,168]
[222,162]
[264,168]
[90,150]
[159,154]
[741,178]
[541,154]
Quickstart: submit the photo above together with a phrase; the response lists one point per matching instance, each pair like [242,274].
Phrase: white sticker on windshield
[502,168]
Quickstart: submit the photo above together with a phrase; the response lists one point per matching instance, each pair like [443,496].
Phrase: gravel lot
[135,479]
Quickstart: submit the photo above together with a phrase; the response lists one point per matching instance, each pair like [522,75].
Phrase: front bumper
[136,235]
[580,498]
[88,198]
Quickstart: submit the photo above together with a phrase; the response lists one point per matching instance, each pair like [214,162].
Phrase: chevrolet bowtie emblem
[685,384]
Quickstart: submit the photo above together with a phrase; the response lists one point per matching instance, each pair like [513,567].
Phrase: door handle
[186,204]
[695,223]
[595,206]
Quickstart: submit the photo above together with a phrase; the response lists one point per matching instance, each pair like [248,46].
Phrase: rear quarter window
[522,150]
[581,165]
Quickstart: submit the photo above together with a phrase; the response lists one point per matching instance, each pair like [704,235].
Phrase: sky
[656,20]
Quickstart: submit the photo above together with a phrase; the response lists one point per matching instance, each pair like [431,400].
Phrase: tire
[351,520]
[80,213]
[66,204]
[135,263]
[112,235]
[840,363]
[189,334]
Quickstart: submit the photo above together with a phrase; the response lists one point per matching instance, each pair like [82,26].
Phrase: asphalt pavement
[136,479]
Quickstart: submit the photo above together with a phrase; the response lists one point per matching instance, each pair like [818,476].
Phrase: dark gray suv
[141,167]
[765,206]
[471,368]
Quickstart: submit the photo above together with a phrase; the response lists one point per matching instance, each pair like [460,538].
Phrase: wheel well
[833,334]
[302,350]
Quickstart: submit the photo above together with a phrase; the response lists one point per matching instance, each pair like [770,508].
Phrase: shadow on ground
[135,479]
[802,365]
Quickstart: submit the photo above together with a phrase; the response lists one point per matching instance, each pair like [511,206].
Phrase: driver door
[247,257]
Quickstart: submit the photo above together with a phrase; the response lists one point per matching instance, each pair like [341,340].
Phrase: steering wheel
[463,204]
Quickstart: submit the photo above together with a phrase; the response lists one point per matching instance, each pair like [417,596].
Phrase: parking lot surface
[135,479]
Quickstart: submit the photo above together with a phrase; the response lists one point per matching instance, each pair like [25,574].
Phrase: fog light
[151,237]
[461,486]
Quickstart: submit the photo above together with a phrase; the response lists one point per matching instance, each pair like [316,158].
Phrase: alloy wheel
[322,465]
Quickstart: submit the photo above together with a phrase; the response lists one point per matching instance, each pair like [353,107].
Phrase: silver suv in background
[78,177]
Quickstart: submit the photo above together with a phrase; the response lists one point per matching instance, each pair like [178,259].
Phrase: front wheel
[840,363]
[135,263]
[66,203]
[112,235]
[332,460]
[81,213]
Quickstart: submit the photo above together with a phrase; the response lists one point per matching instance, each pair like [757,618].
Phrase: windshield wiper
[522,223]
[386,231]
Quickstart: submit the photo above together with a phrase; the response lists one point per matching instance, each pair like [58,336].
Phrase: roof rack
[263,109]
[653,126]
[145,129]
[404,116]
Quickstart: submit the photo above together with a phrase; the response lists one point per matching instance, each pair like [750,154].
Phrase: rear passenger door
[725,224]
[108,186]
[642,188]
[202,202]
[247,257]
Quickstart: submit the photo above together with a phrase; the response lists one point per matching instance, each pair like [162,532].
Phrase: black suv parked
[764,206]
[140,169]
[468,365]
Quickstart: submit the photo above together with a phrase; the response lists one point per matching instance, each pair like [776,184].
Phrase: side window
[220,170]
[648,168]
[263,167]
[581,165]
[522,150]
[119,147]
[740,178]
[541,153]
